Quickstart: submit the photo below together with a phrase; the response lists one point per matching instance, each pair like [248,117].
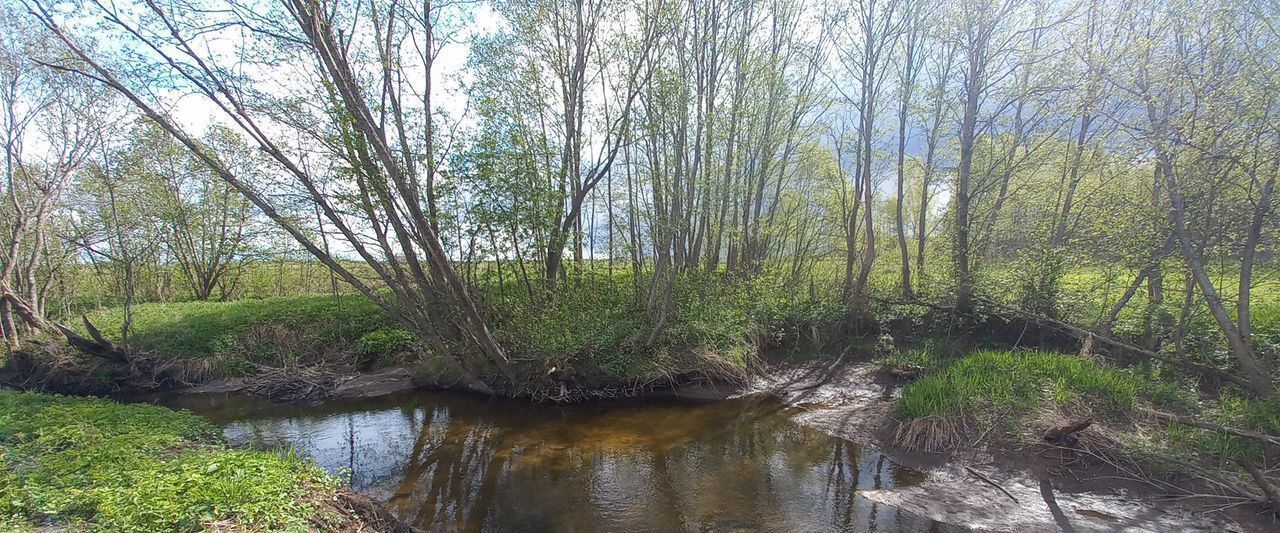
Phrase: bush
[386,344]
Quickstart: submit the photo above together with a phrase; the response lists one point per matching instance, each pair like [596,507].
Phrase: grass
[1017,380]
[102,466]
[194,329]
[595,326]
[1008,398]
[920,359]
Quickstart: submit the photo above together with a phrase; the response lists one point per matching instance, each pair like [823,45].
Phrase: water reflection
[451,463]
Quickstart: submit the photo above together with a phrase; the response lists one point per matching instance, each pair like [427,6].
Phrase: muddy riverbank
[983,489]
[804,447]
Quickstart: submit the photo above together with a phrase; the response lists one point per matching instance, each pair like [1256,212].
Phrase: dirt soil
[853,400]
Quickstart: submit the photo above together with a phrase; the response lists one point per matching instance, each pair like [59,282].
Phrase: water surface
[460,463]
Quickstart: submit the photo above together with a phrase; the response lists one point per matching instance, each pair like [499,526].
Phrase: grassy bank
[1006,391]
[1009,400]
[94,464]
[593,332]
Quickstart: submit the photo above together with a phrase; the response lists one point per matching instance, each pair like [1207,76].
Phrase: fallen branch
[1188,421]
[1084,333]
[992,483]
[1064,432]
[1273,494]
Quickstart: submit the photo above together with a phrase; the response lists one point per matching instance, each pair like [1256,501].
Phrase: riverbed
[453,462]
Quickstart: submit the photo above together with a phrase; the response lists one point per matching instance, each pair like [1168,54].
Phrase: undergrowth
[1001,397]
[595,327]
[97,465]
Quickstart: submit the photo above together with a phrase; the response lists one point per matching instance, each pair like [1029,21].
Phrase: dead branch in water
[992,483]
[292,383]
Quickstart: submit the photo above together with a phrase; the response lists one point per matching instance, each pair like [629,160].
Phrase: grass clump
[1016,379]
[991,386]
[920,359]
[103,466]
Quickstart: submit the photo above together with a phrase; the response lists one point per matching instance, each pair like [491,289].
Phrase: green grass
[1015,388]
[105,466]
[1017,380]
[193,329]
[1223,449]
[595,325]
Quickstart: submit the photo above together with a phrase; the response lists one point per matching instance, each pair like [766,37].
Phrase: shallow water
[462,463]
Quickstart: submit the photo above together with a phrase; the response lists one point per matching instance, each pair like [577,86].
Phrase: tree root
[1269,489]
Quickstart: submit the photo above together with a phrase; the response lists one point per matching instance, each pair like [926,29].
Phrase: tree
[877,25]
[379,151]
[1210,129]
[52,124]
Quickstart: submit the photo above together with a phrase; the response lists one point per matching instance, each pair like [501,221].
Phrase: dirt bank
[853,400]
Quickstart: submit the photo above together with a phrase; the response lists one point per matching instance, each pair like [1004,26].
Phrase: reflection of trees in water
[372,445]
[457,465]
[450,477]
[465,473]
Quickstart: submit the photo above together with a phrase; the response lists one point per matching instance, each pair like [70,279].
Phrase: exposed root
[930,434]
[293,383]
[356,512]
[46,365]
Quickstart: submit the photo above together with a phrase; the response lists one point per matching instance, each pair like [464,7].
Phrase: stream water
[460,463]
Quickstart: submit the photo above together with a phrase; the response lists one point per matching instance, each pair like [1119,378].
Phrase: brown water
[460,463]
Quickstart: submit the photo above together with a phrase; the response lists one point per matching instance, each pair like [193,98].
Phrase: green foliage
[1039,280]
[599,326]
[1229,410]
[121,467]
[386,344]
[1016,380]
[924,358]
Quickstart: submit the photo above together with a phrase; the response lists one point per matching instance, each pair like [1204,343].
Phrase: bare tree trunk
[1241,346]
[968,126]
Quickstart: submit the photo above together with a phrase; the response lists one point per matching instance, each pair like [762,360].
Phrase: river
[449,462]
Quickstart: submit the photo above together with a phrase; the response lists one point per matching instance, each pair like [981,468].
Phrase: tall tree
[359,110]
